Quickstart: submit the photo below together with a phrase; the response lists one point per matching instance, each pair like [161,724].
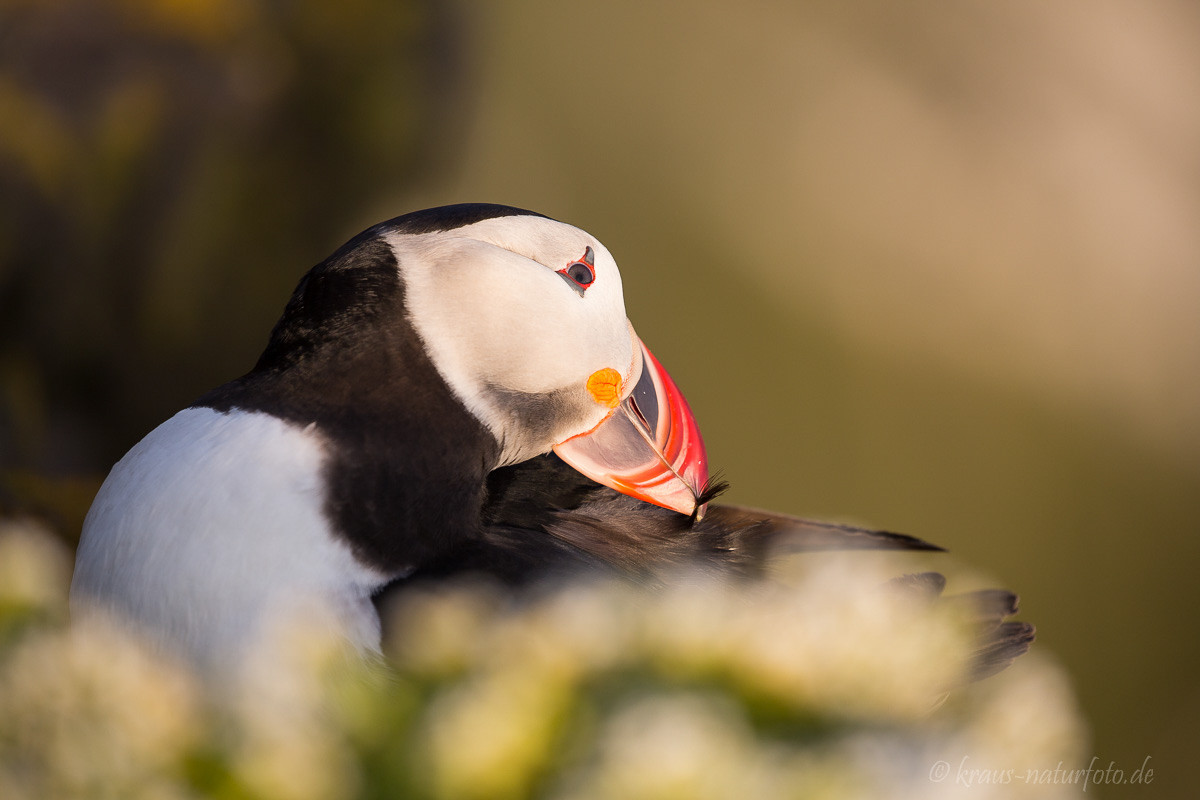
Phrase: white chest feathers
[210,531]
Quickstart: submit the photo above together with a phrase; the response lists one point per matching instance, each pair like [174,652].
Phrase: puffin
[453,391]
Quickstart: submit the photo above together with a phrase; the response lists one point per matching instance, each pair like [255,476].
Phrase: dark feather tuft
[714,487]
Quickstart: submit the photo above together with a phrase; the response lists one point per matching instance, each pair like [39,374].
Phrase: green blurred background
[930,266]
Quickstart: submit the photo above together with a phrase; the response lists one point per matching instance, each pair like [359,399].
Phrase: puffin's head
[524,319]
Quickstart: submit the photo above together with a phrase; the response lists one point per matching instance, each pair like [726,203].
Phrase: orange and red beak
[649,447]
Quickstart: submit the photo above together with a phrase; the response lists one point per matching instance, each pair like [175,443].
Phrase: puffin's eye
[580,273]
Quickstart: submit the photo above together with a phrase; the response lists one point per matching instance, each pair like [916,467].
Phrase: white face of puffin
[524,318]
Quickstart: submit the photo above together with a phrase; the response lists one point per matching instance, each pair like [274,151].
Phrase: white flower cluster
[831,684]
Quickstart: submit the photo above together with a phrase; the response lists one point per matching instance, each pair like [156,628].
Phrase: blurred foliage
[824,684]
[167,171]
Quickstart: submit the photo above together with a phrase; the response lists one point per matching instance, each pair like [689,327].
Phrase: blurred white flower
[90,713]
[35,568]
[288,743]
[491,736]
[681,745]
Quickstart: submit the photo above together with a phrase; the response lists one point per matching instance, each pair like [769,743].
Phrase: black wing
[542,519]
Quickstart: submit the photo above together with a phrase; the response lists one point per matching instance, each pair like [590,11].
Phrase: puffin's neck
[407,463]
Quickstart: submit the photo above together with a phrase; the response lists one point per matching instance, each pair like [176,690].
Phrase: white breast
[211,529]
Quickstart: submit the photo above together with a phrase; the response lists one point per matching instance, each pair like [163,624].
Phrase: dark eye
[580,274]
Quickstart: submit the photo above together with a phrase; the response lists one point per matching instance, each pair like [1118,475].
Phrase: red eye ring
[581,274]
